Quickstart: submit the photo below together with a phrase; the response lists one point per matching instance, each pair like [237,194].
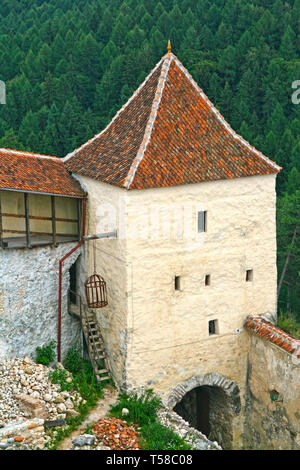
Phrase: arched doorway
[209,403]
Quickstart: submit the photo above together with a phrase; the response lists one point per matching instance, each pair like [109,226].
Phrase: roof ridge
[167,59]
[29,154]
[71,154]
[221,118]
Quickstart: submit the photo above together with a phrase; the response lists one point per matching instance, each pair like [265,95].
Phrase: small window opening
[202,221]
[249,275]
[177,282]
[207,280]
[213,327]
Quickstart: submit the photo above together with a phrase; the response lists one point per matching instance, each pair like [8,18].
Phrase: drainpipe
[60,279]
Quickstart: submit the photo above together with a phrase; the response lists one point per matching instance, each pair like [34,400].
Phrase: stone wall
[29,300]
[272,424]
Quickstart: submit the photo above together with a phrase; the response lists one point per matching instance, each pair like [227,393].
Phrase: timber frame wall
[41,238]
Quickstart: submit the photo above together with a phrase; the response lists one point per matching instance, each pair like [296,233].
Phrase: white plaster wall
[156,336]
[105,209]
[169,340]
[29,300]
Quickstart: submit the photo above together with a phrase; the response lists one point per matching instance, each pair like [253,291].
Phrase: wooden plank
[46,234]
[100,379]
[53,220]
[39,217]
[101,371]
[27,220]
[79,211]
[1,227]
[35,240]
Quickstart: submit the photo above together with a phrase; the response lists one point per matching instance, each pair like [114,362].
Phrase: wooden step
[95,345]
[99,379]
[102,371]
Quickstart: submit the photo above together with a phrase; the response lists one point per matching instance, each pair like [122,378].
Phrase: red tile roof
[29,172]
[273,334]
[167,134]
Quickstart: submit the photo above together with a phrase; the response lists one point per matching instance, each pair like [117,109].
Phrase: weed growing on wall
[45,355]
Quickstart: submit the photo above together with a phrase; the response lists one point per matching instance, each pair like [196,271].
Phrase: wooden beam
[24,232]
[79,212]
[27,220]
[38,217]
[1,227]
[113,234]
[53,220]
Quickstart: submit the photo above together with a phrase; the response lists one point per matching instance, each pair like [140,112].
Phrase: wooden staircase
[94,341]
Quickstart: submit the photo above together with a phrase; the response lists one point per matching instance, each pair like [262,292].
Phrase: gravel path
[100,411]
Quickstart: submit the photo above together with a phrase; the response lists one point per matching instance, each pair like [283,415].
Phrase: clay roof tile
[170,121]
[29,172]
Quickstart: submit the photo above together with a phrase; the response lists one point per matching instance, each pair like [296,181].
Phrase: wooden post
[27,220]
[79,204]
[53,220]
[1,226]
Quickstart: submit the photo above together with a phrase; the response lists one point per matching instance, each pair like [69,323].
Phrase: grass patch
[143,412]
[142,409]
[84,382]
[156,436]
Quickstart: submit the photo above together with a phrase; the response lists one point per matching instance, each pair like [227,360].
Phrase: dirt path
[101,410]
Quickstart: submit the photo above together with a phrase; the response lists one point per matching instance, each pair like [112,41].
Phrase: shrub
[143,412]
[45,355]
[288,323]
[60,376]
[73,361]
[142,409]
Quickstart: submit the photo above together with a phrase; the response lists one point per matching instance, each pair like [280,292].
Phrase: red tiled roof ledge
[35,173]
[273,334]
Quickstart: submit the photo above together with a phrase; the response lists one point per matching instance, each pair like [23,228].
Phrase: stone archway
[209,403]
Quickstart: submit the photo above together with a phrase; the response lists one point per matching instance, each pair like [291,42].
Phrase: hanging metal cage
[95,291]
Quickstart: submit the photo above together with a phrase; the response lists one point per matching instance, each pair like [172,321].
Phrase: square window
[207,280]
[202,221]
[213,328]
[177,282]
[249,275]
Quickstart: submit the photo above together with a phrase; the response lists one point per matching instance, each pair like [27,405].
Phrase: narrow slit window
[177,282]
[213,327]
[207,280]
[249,275]
[202,221]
